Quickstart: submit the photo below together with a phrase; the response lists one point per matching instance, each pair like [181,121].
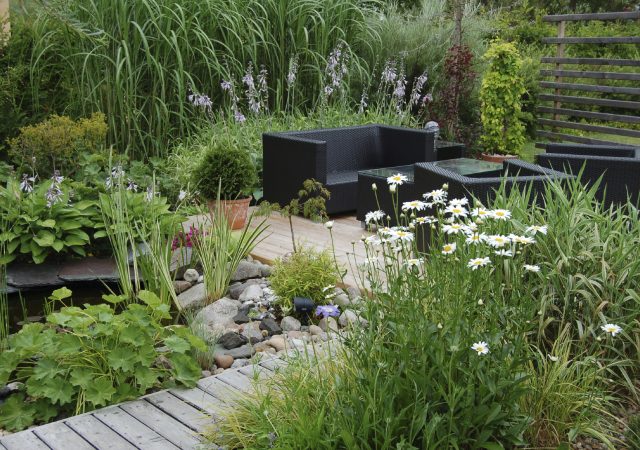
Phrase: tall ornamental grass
[136,61]
[470,342]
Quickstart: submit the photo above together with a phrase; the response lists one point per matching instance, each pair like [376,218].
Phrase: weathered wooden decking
[170,419]
[277,243]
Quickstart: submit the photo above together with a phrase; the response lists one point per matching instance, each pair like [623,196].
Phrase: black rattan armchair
[515,173]
[619,168]
[334,156]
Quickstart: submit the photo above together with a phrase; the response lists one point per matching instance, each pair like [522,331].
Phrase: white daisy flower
[374,216]
[535,229]
[553,358]
[501,214]
[436,196]
[456,211]
[458,202]
[475,238]
[414,262]
[481,213]
[506,253]
[396,180]
[498,240]
[531,268]
[414,205]
[482,348]
[401,235]
[425,220]
[524,240]
[373,240]
[453,228]
[474,263]
[611,328]
[448,249]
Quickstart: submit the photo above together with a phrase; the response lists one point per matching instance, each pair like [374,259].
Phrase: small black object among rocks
[231,340]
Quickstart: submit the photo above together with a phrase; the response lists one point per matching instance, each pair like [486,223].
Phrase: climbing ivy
[500,95]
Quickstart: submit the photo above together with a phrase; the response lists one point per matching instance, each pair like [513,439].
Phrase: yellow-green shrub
[55,143]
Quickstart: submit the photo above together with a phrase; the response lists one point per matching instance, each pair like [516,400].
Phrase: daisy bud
[439,326]
[480,302]
[392,188]
[539,313]
[374,187]
[329,224]
[445,186]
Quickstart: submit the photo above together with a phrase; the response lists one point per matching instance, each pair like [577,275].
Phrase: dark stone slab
[24,276]
[8,290]
[89,269]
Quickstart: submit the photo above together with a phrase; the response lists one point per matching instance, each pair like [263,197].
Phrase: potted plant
[500,95]
[227,174]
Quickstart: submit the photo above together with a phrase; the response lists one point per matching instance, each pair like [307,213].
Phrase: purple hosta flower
[293,71]
[150,194]
[418,85]
[117,173]
[336,69]
[428,98]
[327,311]
[328,90]
[57,178]
[363,103]
[226,85]
[26,185]
[389,73]
[182,195]
[238,116]
[201,101]
[263,88]
[53,194]
[131,185]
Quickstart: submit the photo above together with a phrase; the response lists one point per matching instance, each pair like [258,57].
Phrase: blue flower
[327,311]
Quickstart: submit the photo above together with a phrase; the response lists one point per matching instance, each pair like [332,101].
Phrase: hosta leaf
[177,344]
[16,414]
[70,225]
[44,238]
[100,391]
[122,358]
[71,240]
[49,223]
[58,245]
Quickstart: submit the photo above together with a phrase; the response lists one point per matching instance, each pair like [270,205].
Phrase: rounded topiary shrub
[229,170]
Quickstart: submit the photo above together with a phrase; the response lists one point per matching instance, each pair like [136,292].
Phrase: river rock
[315,330]
[277,342]
[191,275]
[263,347]
[270,326]
[223,361]
[252,293]
[266,270]
[246,270]
[240,363]
[180,286]
[252,332]
[245,351]
[231,340]
[341,299]
[328,324]
[219,315]
[349,318]
[354,294]
[236,289]
[193,298]
[290,323]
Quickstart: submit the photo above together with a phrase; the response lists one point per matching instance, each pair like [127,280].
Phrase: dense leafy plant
[224,172]
[58,142]
[502,87]
[305,273]
[44,221]
[83,358]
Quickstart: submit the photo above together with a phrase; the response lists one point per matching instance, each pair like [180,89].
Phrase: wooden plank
[202,400]
[236,380]
[589,114]
[592,40]
[219,389]
[58,436]
[132,430]
[591,61]
[590,88]
[590,74]
[624,104]
[625,15]
[163,424]
[588,127]
[97,433]
[23,440]
[559,55]
[274,364]
[181,411]
[254,370]
[577,139]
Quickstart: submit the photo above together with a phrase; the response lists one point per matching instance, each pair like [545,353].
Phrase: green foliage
[40,230]
[84,358]
[226,172]
[305,273]
[502,88]
[58,142]
[632,434]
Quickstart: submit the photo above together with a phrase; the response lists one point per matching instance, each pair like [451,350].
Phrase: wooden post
[559,54]
[4,20]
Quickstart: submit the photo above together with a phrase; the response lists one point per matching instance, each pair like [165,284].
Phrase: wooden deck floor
[170,419]
[277,243]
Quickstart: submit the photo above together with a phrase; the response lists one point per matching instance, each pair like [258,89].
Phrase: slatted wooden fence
[562,71]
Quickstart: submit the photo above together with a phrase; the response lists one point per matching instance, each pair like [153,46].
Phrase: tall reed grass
[137,61]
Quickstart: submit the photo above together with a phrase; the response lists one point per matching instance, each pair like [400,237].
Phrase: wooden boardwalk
[277,243]
[170,419]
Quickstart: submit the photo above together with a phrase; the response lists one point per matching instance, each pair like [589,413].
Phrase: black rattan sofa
[515,173]
[334,156]
[618,166]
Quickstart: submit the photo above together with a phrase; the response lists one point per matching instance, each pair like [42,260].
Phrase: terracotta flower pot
[496,158]
[234,210]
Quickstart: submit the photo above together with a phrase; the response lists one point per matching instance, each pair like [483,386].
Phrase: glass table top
[385,172]
[468,166]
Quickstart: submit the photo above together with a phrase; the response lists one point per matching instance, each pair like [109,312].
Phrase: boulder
[242,317]
[328,324]
[193,298]
[252,293]
[270,326]
[315,330]
[252,332]
[354,294]
[219,315]
[236,289]
[290,323]
[191,275]
[342,300]
[231,340]
[180,286]
[246,270]
[265,270]
[245,351]
[277,342]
